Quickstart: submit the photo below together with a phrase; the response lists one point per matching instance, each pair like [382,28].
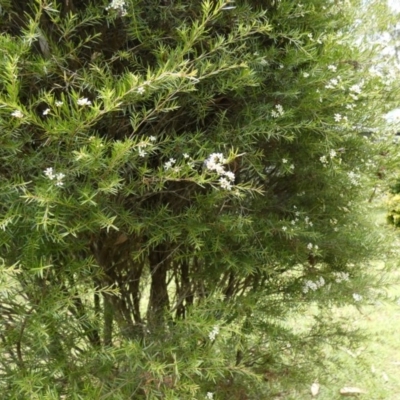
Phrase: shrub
[177,180]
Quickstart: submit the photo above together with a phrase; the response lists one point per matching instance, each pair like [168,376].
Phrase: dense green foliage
[176,179]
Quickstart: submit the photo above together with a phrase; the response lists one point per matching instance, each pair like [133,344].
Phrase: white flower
[357,297]
[209,396]
[17,114]
[142,153]
[284,161]
[83,101]
[332,153]
[60,176]
[306,74]
[309,285]
[279,108]
[332,83]
[140,90]
[185,155]
[332,68]
[278,112]
[169,164]
[152,138]
[118,5]
[225,184]
[291,166]
[58,103]
[284,228]
[354,178]
[353,96]
[355,89]
[341,276]
[309,246]
[230,175]
[323,159]
[338,117]
[213,334]
[46,111]
[214,162]
[49,173]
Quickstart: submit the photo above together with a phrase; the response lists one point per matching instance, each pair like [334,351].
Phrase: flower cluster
[354,178]
[324,159]
[308,222]
[214,333]
[141,148]
[50,173]
[332,83]
[215,162]
[118,5]
[169,164]
[341,276]
[355,90]
[278,112]
[83,101]
[209,396]
[313,285]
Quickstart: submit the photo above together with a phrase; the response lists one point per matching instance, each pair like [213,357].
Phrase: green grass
[375,365]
